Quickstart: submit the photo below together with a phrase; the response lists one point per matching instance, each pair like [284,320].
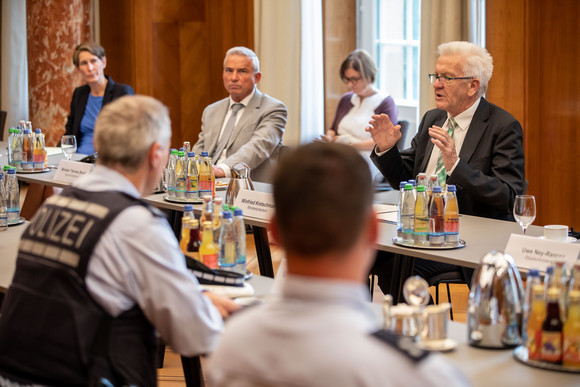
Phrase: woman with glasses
[90,61]
[357,106]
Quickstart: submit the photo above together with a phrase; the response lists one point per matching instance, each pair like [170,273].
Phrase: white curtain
[14,71]
[291,66]
[445,21]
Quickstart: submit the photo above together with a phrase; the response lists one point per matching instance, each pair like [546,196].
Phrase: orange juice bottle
[535,321]
[208,251]
[571,332]
[184,234]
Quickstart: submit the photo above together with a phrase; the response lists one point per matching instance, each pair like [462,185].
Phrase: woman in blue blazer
[90,60]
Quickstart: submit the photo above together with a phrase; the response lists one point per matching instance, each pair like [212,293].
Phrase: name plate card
[68,170]
[256,204]
[536,253]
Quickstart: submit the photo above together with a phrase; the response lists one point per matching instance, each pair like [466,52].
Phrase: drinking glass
[68,144]
[525,210]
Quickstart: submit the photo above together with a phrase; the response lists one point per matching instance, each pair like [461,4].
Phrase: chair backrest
[2,123]
[404,129]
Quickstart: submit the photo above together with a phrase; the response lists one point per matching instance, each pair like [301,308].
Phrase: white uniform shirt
[138,261]
[318,334]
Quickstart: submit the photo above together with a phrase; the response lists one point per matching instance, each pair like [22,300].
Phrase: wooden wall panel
[536,50]
[174,51]
[339,39]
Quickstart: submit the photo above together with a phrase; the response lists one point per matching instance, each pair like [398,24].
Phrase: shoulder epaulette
[403,344]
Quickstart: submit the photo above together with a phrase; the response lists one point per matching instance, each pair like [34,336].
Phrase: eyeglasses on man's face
[444,79]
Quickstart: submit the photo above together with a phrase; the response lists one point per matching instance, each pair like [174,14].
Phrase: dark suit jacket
[79,102]
[490,172]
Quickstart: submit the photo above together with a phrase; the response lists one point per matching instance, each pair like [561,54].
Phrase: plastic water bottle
[188,211]
[180,175]
[532,280]
[451,216]
[422,180]
[206,176]
[408,213]
[192,191]
[436,218]
[170,173]
[11,146]
[17,150]
[12,197]
[240,238]
[3,208]
[414,183]
[400,209]
[227,242]
[421,223]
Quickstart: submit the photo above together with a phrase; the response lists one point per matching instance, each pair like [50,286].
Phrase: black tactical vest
[51,330]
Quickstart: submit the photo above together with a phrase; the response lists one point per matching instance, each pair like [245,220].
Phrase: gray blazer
[257,138]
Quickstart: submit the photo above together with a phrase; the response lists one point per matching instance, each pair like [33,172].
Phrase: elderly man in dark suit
[247,126]
[466,141]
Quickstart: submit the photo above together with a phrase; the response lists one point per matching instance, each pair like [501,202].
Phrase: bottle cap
[421,188]
[26,131]
[206,198]
[11,171]
[227,214]
[193,223]
[238,212]
[433,177]
[451,188]
[550,270]
[174,151]
[402,184]
[187,207]
[553,292]
[408,187]
[412,182]
[37,131]
[7,167]
[218,201]
[190,154]
[436,189]
[534,273]
[226,207]
[180,153]
[181,149]
[204,154]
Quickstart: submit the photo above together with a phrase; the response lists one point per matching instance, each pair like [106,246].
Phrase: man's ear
[154,155]
[274,230]
[474,85]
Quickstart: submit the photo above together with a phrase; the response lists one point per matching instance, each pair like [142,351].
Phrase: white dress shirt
[463,121]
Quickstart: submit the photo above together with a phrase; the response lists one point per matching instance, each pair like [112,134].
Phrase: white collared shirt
[463,121]
[222,157]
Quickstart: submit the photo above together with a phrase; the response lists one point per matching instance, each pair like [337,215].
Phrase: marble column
[54,29]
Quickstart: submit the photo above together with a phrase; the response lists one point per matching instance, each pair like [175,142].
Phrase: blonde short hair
[126,129]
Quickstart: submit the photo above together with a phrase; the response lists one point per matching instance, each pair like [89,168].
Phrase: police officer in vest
[99,270]
[322,330]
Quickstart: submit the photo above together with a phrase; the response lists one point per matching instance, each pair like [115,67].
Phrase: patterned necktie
[229,128]
[440,169]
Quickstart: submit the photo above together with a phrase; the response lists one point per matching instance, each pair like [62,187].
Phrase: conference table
[481,235]
[483,367]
